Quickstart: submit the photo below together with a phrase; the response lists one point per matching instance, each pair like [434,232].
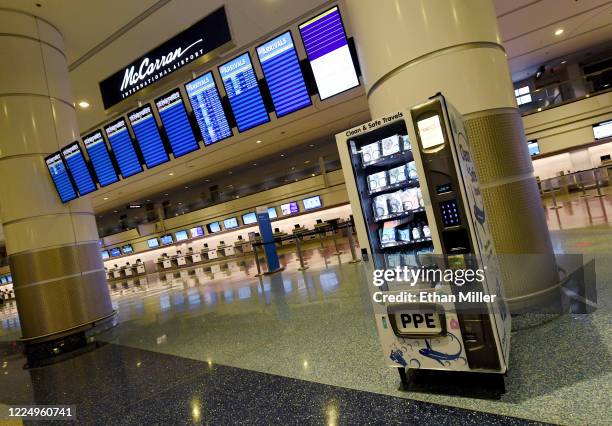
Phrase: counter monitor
[230,223]
[290,208]
[328,53]
[148,137]
[213,227]
[196,231]
[115,251]
[123,148]
[249,218]
[602,130]
[127,249]
[272,213]
[243,92]
[105,255]
[281,68]
[181,236]
[153,242]
[100,158]
[311,203]
[77,166]
[166,239]
[61,179]
[206,104]
[174,117]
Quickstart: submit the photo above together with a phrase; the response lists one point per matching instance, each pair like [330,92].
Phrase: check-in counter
[224,250]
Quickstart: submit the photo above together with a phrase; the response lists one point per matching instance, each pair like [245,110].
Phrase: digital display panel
[328,53]
[249,218]
[312,202]
[116,251]
[533,147]
[166,239]
[213,227]
[123,148]
[105,255]
[100,158]
[181,236]
[602,130]
[153,242]
[127,249]
[230,223]
[430,130]
[173,115]
[290,208]
[196,232]
[243,92]
[61,179]
[207,108]
[272,213]
[281,68]
[147,136]
[75,161]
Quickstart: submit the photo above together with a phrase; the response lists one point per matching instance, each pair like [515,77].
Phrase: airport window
[523,95]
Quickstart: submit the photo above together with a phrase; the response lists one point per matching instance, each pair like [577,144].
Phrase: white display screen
[166,239]
[249,218]
[196,232]
[181,236]
[290,208]
[430,130]
[272,213]
[312,203]
[213,227]
[534,147]
[105,255]
[153,242]
[328,53]
[602,130]
[230,223]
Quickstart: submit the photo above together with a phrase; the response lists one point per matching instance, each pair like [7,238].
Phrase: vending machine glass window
[390,195]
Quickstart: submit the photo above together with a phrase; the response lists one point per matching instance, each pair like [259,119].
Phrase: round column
[59,280]
[411,50]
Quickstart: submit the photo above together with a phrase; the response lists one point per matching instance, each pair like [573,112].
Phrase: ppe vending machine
[437,295]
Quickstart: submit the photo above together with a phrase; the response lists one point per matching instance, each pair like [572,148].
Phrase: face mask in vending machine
[437,295]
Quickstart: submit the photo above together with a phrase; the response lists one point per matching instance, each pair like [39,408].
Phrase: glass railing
[566,91]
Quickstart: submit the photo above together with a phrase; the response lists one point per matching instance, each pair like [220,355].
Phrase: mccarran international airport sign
[206,35]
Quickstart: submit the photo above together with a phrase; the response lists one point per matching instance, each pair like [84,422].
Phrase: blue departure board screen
[174,118]
[100,158]
[75,160]
[123,148]
[60,177]
[282,71]
[243,92]
[207,108]
[147,136]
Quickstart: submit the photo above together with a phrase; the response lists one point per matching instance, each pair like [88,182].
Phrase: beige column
[410,50]
[59,279]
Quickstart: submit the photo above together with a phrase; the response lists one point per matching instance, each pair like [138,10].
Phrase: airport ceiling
[103,36]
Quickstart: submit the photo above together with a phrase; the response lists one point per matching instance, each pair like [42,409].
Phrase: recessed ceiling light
[84,104]
[559,31]
[148,201]
[186,187]
[258,142]
[311,145]
[171,174]
[307,161]
[166,195]
[106,198]
[563,61]
[282,155]
[539,109]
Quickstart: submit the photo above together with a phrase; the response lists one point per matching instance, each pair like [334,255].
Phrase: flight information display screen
[230,223]
[249,218]
[147,136]
[243,92]
[123,148]
[73,156]
[328,53]
[60,177]
[281,68]
[100,158]
[207,108]
[173,115]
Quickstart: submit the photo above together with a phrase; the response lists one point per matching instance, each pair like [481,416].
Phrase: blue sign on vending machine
[267,238]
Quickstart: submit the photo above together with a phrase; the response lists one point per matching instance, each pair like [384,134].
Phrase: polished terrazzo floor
[193,341]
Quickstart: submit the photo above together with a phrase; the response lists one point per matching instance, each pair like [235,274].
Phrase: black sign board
[201,38]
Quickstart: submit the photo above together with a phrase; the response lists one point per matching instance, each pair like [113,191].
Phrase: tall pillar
[409,51]
[59,280]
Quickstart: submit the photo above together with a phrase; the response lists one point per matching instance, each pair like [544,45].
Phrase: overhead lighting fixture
[563,62]
[258,141]
[105,198]
[559,31]
[171,174]
[84,104]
